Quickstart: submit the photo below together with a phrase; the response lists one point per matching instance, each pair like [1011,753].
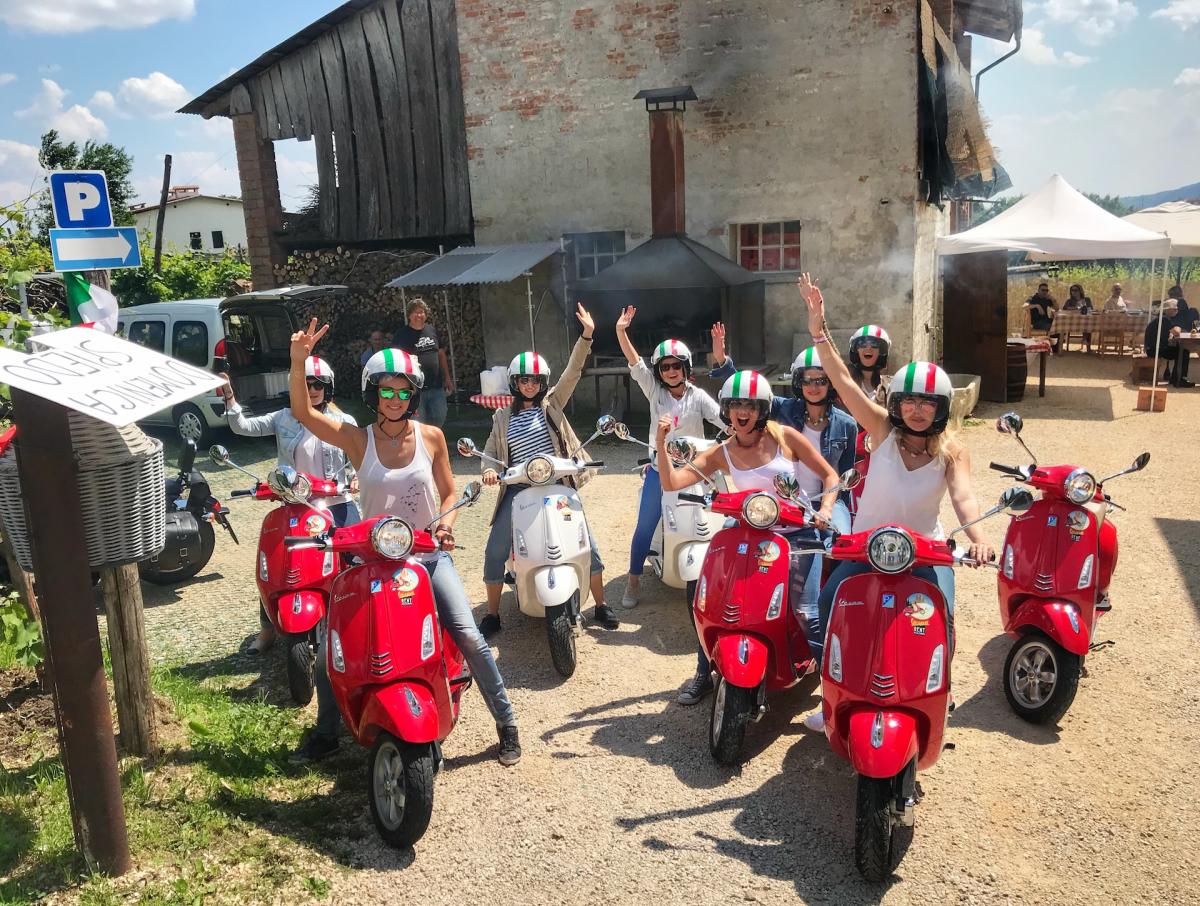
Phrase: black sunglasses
[815,382]
[870,344]
[670,366]
[387,393]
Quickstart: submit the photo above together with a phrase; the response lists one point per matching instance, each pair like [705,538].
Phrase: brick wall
[260,199]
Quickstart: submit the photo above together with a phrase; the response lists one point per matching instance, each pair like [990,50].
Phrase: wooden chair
[1142,367]
[1112,341]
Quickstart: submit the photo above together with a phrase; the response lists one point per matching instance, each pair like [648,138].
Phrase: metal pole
[24,296]
[60,562]
[450,335]
[529,303]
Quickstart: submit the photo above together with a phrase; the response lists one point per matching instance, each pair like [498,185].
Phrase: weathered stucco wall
[807,111]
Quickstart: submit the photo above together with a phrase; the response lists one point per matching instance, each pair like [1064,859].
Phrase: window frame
[761,245]
[195,240]
[583,247]
[161,323]
[207,361]
[218,239]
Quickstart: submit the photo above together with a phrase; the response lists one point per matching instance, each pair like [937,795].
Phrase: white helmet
[746,385]
[391,363]
[868,333]
[924,380]
[671,349]
[528,364]
[318,369]
[809,358]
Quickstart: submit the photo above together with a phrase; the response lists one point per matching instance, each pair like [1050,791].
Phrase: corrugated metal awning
[470,265]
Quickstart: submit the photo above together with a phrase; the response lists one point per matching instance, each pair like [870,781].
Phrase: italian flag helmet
[671,349]
[528,364]
[809,358]
[868,333]
[317,369]
[392,363]
[746,385]
[921,380]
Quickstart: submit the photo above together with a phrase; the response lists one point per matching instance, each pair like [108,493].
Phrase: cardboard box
[1160,399]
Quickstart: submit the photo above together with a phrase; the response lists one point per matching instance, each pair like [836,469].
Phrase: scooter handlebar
[242,492]
[1008,470]
[693,498]
[301,541]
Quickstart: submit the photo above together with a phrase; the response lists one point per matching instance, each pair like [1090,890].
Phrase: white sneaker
[629,599]
[815,721]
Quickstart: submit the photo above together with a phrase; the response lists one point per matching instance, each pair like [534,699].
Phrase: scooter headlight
[891,550]
[1008,561]
[775,606]
[1080,486]
[427,645]
[336,656]
[262,566]
[835,658]
[761,510]
[933,681]
[392,538]
[1085,574]
[701,594]
[539,470]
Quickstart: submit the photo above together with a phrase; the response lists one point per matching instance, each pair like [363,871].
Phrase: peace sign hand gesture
[303,342]
[585,318]
[811,294]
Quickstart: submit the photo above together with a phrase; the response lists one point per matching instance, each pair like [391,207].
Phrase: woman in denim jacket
[299,448]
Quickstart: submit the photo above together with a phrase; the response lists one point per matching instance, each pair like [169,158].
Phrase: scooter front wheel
[300,664]
[731,710]
[561,636]
[1041,679]
[877,849]
[400,779]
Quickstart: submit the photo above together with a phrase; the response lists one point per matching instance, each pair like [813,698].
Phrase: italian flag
[91,306]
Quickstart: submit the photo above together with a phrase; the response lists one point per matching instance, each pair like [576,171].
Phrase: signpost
[108,248]
[80,199]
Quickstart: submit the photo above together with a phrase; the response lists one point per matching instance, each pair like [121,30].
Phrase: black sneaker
[489,625]
[317,747]
[695,691]
[605,617]
[510,746]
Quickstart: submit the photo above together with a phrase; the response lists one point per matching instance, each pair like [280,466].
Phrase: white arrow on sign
[92,248]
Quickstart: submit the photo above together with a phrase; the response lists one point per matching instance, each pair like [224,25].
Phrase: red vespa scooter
[1056,564]
[886,678]
[396,673]
[293,582]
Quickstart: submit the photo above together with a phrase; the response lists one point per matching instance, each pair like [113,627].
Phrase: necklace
[815,422]
[395,441]
[909,450]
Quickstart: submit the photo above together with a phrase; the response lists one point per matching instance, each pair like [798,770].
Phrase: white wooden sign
[108,378]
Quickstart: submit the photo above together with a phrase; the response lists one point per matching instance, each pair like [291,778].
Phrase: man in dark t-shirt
[1041,312]
[420,338]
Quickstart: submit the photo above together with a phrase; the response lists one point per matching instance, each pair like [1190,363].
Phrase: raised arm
[676,479]
[872,416]
[627,347]
[722,361]
[561,392]
[350,439]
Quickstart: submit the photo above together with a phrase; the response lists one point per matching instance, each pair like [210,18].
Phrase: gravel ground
[616,797]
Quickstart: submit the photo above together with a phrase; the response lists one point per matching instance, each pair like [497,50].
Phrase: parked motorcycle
[551,553]
[396,673]
[1056,565]
[886,677]
[293,582]
[191,512]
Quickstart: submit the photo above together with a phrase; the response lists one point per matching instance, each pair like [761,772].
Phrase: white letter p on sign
[81,197]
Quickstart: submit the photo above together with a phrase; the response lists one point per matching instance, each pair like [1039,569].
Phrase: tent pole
[450,336]
[529,303]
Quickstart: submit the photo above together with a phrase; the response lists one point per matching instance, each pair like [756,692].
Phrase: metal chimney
[667,194]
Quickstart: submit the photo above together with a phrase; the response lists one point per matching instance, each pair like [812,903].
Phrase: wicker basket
[120,494]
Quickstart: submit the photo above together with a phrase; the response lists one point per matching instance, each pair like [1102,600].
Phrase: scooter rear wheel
[731,710]
[208,544]
[561,636]
[876,849]
[400,789]
[1041,678]
[300,665]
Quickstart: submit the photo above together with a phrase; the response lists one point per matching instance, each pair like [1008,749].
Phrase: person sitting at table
[1115,301]
[1187,315]
[1163,333]
[1077,301]
[1041,309]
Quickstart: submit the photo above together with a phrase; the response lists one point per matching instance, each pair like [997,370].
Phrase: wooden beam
[334,68]
[422,93]
[239,100]
[404,178]
[397,141]
[287,128]
[373,197]
[318,105]
[452,117]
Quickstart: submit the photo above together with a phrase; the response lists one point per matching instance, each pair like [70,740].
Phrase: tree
[984,211]
[1110,203]
[116,163]
[186,275]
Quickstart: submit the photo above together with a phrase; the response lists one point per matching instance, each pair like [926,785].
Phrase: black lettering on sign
[90,402]
[23,370]
[105,358]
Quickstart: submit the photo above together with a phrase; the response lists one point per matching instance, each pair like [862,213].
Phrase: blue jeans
[454,612]
[649,515]
[499,542]
[432,410]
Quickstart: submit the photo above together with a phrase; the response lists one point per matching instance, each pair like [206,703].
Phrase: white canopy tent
[1180,220]
[1058,223]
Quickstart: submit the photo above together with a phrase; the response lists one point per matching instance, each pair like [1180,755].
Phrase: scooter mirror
[466,447]
[851,478]
[680,451]
[1009,423]
[606,424]
[219,455]
[187,456]
[621,430]
[472,491]
[280,480]
[1016,500]
[786,486]
[1141,462]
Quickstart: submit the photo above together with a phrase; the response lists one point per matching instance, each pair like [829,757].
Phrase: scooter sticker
[315,524]
[376,585]
[919,608]
[293,522]
[1077,522]
[889,601]
[768,553]
[743,547]
[405,581]
[1051,521]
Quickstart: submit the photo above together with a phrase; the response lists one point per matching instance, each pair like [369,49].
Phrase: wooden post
[130,660]
[21,581]
[48,484]
[162,214]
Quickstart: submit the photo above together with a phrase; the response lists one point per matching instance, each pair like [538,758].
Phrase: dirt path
[617,799]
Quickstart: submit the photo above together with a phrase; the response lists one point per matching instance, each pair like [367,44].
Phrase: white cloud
[20,172]
[1184,13]
[7,78]
[60,16]
[1189,78]
[104,102]
[45,103]
[217,129]
[1132,100]
[1073,59]
[156,95]
[1035,50]
[75,124]
[1092,21]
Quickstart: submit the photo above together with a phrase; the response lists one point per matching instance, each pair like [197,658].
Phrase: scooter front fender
[554,585]
[300,611]
[405,709]
[897,743]
[1054,618]
[741,659]
[689,560]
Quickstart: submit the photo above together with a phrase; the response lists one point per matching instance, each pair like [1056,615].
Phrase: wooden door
[975,320]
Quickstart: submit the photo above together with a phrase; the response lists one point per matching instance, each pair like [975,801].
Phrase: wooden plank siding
[381,94]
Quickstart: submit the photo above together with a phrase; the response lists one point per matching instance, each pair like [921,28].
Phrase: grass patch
[218,818]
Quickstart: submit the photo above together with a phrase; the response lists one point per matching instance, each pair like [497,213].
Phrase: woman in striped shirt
[535,423]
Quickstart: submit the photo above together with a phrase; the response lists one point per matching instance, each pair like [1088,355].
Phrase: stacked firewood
[42,293]
[370,304]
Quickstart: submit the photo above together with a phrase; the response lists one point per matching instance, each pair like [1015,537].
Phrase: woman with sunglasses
[299,448]
[404,470]
[757,451]
[667,384]
[869,348]
[915,463]
[534,423]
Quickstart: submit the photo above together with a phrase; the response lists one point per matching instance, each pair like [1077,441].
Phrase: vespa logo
[341,598]
[850,604]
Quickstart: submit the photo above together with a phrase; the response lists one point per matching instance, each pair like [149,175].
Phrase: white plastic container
[494,381]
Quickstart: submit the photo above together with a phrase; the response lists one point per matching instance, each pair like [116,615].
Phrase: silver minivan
[247,336]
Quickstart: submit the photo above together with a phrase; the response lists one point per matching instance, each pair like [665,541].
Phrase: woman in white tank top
[914,463]
[757,452]
[403,470]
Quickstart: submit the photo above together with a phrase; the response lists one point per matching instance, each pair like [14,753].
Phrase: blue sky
[1106,92]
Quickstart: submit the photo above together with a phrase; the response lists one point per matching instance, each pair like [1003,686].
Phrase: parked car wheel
[191,425]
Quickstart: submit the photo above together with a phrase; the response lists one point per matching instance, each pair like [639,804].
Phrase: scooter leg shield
[406,710]
[300,611]
[1054,618]
[555,584]
[688,561]
[896,735]
[741,659]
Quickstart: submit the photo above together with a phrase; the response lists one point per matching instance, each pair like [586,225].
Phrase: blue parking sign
[80,199]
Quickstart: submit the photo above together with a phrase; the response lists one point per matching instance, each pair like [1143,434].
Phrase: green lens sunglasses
[387,393]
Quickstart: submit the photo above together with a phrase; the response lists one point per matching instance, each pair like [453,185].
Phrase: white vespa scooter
[552,554]
[682,537]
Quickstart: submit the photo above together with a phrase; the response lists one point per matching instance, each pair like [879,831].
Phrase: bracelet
[589,339]
[819,338]
[448,529]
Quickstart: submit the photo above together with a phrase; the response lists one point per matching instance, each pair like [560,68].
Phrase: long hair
[942,446]
[876,375]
